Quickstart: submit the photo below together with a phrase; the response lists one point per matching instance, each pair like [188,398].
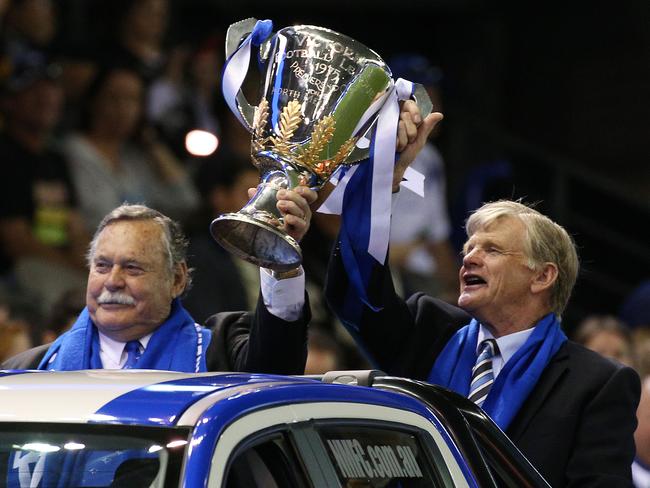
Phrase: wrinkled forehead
[133,239]
[496,225]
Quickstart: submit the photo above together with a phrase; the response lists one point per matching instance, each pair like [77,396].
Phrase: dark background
[543,101]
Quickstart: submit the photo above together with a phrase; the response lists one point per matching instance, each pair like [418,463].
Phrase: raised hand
[412,134]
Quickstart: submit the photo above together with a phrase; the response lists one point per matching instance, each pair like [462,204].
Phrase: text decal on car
[378,461]
[373,453]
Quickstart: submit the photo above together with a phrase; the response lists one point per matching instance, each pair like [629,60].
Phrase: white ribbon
[382,177]
[384,163]
[414,181]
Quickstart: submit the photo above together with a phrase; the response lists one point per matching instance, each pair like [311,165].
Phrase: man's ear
[544,277]
[181,276]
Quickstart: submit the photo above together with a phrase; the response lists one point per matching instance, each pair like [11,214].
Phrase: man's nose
[115,278]
[473,257]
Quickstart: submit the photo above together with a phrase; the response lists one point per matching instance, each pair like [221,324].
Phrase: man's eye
[133,269]
[102,267]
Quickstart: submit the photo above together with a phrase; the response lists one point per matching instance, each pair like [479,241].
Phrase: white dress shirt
[112,353]
[508,346]
[283,298]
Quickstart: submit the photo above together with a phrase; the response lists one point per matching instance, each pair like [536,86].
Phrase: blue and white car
[131,428]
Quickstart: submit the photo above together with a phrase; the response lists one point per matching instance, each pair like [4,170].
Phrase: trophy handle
[236,33]
[422,100]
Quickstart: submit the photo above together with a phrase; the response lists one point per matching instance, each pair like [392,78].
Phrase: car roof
[114,396]
[163,398]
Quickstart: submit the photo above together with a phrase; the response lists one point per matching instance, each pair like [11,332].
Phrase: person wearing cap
[41,232]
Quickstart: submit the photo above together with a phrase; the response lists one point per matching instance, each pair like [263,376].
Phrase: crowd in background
[82,131]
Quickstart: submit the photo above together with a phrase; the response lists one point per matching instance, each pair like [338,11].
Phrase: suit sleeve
[258,342]
[402,338]
[604,450]
[29,359]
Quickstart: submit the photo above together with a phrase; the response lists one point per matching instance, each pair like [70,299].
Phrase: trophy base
[256,242]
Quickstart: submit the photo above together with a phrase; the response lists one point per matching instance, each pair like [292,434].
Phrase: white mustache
[108,297]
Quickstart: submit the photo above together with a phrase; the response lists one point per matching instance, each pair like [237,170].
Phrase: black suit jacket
[241,341]
[577,425]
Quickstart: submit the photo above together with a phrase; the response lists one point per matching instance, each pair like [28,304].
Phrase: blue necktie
[482,373]
[132,349]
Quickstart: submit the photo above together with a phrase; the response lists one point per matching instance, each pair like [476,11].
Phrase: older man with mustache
[134,317]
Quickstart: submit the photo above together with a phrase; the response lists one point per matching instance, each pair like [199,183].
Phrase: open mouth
[472,280]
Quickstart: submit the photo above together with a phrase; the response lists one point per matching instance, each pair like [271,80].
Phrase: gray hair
[545,241]
[174,241]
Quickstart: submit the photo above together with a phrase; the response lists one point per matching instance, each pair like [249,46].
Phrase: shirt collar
[508,344]
[113,349]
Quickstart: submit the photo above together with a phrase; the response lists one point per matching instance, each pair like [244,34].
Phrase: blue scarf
[179,344]
[517,378]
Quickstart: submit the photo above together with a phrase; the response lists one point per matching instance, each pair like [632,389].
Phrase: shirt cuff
[283,298]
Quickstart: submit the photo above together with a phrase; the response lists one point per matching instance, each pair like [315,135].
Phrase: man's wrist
[283,275]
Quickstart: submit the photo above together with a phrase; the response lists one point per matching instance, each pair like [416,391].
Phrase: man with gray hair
[569,410]
[134,317]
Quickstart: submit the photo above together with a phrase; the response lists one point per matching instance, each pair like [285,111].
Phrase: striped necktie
[482,373]
[132,349]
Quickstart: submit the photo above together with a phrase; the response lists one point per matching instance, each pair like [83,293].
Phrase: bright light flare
[73,446]
[40,447]
[201,143]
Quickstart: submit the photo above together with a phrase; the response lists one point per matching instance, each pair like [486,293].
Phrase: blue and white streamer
[383,162]
[236,67]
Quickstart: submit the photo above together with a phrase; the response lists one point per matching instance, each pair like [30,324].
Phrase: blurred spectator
[4,5]
[607,336]
[316,250]
[641,465]
[14,338]
[64,314]
[141,28]
[221,281]
[420,250]
[78,68]
[28,24]
[185,98]
[641,342]
[635,310]
[323,352]
[115,158]
[41,232]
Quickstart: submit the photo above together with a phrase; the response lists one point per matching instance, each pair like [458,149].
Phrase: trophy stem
[256,233]
[256,241]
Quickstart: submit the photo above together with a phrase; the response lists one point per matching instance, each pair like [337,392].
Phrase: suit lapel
[553,372]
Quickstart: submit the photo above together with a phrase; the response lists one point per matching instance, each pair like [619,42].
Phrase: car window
[36,457]
[268,461]
[381,457]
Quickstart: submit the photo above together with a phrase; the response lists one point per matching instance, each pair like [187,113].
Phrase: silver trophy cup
[318,86]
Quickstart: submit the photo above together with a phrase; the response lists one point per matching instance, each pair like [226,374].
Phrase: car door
[336,444]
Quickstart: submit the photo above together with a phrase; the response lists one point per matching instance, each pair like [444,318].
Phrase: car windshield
[60,455]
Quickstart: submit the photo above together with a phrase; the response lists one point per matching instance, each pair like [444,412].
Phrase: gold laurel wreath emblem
[290,119]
